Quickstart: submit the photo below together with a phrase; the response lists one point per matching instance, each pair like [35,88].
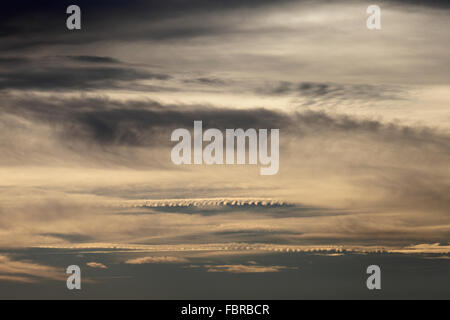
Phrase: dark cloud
[135,122]
[140,123]
[333,91]
[30,24]
[444,4]
[73,78]
[275,211]
[145,126]
[13,61]
[207,81]
[93,59]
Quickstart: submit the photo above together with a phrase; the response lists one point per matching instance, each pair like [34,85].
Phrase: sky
[86,176]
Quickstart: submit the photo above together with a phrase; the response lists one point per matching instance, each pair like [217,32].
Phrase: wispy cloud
[25,271]
[97,265]
[156,259]
[249,248]
[240,268]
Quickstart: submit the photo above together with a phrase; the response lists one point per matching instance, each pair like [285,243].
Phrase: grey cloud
[406,164]
[13,61]
[142,123]
[257,236]
[134,122]
[207,81]
[71,78]
[93,59]
[334,91]
[43,24]
[443,4]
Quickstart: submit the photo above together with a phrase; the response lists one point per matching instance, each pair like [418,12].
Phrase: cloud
[205,202]
[13,61]
[85,128]
[442,4]
[207,81]
[96,265]
[425,248]
[102,18]
[71,78]
[334,91]
[24,271]
[148,122]
[156,259]
[72,237]
[239,268]
[93,59]
[139,20]
[209,249]
[17,279]
[82,162]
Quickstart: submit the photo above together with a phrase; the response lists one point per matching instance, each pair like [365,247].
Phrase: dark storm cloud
[72,78]
[141,123]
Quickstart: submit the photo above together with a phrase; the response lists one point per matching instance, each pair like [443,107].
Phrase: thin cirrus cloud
[28,272]
[97,265]
[240,268]
[156,259]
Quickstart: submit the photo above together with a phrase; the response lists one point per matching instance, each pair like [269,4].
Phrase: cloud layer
[86,118]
